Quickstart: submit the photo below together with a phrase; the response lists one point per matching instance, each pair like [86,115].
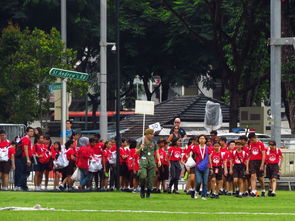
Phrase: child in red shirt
[124,173]
[240,168]
[42,156]
[163,170]
[229,173]
[217,161]
[274,158]
[174,155]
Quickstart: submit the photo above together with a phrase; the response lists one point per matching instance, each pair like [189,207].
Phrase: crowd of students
[211,166]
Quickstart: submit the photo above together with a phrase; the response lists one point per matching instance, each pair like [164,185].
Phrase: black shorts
[5,166]
[163,172]
[70,169]
[228,177]
[192,170]
[39,167]
[49,165]
[217,173]
[239,171]
[124,170]
[254,167]
[272,171]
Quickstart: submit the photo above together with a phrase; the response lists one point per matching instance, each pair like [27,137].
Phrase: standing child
[163,170]
[274,159]
[229,165]
[69,170]
[56,151]
[240,168]
[124,173]
[217,161]
[49,165]
[174,155]
[106,156]
[42,154]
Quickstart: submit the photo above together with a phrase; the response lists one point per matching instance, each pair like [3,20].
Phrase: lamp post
[118,137]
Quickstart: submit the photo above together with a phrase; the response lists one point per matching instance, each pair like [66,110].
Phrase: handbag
[190,163]
[95,164]
[76,175]
[4,154]
[61,161]
[203,165]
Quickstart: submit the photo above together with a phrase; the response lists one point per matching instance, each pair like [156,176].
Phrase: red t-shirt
[70,152]
[124,151]
[228,157]
[4,143]
[97,149]
[83,156]
[273,156]
[200,155]
[163,156]
[239,157]
[106,155]
[255,150]
[41,149]
[135,159]
[26,141]
[54,153]
[175,153]
[11,150]
[216,158]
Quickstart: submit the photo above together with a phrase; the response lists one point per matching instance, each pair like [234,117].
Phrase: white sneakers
[203,198]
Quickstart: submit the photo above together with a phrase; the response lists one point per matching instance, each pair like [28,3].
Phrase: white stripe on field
[139,211]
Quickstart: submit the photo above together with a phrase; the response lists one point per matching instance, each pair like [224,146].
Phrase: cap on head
[148,131]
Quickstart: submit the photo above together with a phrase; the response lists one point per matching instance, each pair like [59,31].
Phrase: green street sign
[55,86]
[68,74]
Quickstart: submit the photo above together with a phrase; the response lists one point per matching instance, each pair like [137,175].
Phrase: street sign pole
[64,81]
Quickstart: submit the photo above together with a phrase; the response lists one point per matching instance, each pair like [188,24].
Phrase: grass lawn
[283,203]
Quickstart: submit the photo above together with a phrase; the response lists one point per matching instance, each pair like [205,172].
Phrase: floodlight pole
[276,43]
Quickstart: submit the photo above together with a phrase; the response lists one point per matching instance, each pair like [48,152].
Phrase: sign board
[156,127]
[55,86]
[144,107]
[68,74]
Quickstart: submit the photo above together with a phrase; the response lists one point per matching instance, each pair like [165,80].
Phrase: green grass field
[283,203]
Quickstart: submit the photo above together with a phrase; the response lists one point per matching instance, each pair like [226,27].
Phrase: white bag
[190,163]
[95,163]
[4,154]
[113,158]
[61,161]
[76,175]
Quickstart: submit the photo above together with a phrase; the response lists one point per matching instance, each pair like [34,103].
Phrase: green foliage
[27,57]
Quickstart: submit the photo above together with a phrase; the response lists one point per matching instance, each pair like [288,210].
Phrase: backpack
[4,154]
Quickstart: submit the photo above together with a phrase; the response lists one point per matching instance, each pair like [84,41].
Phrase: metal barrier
[288,165]
[13,130]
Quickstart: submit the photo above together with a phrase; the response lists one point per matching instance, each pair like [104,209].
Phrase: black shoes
[148,193]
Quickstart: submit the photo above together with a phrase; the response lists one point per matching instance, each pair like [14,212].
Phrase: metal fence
[13,130]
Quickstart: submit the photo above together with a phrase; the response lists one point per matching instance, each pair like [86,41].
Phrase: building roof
[187,108]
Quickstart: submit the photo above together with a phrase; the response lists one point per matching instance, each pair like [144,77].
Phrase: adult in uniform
[147,163]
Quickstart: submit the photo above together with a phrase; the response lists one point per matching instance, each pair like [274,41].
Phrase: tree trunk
[165,90]
[289,85]
[148,93]
[234,108]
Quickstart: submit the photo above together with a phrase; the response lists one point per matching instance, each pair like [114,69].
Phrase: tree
[26,58]
[235,33]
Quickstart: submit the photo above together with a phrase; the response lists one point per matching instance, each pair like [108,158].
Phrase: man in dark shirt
[181,130]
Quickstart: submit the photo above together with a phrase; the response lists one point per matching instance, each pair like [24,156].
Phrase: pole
[64,81]
[275,78]
[86,112]
[118,137]
[143,125]
[103,119]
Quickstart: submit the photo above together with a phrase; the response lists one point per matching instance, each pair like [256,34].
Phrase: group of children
[233,166]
